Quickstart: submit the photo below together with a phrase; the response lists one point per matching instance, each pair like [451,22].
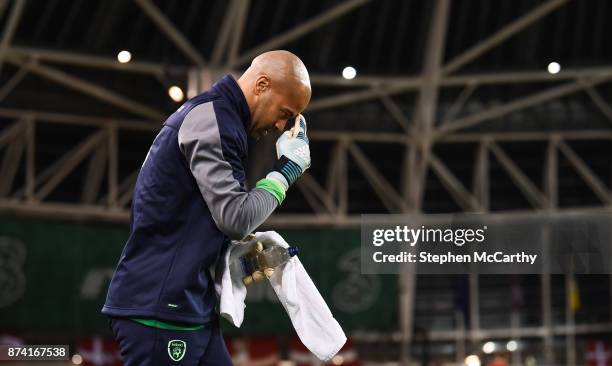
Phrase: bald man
[191,198]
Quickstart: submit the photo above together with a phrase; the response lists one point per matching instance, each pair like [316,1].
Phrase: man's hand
[293,154]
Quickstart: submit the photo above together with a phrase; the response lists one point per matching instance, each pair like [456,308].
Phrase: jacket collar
[229,89]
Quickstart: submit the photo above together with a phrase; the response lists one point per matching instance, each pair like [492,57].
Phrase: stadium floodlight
[349,73]
[124,56]
[472,360]
[512,345]
[554,67]
[176,93]
[488,347]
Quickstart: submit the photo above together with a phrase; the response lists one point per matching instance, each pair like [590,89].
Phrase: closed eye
[287,114]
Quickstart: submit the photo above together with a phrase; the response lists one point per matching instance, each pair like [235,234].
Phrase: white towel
[309,314]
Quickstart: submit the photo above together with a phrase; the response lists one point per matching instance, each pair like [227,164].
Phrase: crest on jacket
[177,349]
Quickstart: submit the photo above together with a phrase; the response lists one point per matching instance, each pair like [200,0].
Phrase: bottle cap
[293,251]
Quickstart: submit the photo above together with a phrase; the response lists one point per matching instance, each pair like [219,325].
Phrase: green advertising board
[54,276]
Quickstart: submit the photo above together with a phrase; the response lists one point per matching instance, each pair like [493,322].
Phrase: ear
[262,84]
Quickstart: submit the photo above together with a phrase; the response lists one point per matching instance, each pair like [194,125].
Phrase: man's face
[275,105]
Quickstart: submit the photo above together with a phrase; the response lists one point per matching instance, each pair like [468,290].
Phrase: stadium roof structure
[452,109]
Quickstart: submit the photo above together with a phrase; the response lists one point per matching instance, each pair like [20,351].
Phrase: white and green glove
[293,158]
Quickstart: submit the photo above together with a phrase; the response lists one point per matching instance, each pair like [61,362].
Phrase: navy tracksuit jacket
[189,199]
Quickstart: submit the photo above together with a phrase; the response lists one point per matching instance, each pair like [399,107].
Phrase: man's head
[277,88]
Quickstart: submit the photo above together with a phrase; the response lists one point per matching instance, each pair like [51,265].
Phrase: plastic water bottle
[275,256]
[259,261]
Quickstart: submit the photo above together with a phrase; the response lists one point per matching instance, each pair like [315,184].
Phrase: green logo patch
[177,349]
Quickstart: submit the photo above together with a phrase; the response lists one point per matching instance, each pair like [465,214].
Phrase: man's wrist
[289,169]
[279,178]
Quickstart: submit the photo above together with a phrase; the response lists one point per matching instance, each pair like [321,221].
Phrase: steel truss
[328,199]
